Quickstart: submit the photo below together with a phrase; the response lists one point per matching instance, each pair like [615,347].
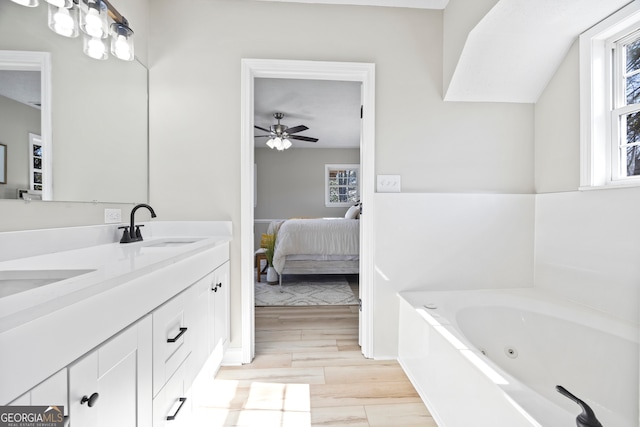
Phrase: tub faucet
[132,232]
[587,418]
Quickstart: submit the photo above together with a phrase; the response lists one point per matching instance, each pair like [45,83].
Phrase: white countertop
[110,264]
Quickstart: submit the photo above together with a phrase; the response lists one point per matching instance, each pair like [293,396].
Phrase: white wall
[291,182]
[587,249]
[196,48]
[586,244]
[445,242]
[557,129]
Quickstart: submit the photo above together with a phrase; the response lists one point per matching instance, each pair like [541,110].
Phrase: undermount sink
[15,281]
[170,243]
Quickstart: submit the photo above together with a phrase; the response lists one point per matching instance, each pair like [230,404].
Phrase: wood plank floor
[308,371]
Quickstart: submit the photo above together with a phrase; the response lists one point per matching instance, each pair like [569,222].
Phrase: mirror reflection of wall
[20,115]
[99,116]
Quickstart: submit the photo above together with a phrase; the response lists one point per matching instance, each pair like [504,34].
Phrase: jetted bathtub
[494,357]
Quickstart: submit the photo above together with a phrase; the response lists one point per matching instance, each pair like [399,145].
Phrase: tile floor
[308,371]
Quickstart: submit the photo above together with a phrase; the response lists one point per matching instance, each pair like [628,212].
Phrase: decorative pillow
[353,212]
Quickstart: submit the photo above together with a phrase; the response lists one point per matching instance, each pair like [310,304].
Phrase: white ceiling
[515,49]
[415,4]
[21,86]
[330,109]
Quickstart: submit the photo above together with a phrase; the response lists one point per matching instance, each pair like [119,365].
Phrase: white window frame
[332,167]
[599,130]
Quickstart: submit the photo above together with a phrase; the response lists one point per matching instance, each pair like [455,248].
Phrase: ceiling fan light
[270,143]
[286,144]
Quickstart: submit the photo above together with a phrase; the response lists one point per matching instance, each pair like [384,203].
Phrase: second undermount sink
[15,281]
[171,243]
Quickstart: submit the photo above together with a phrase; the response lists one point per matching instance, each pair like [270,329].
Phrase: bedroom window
[610,101]
[342,185]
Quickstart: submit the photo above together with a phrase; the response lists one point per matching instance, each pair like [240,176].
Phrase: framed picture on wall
[36,164]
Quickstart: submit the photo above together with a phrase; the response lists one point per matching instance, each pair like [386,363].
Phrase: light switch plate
[389,183]
[112,216]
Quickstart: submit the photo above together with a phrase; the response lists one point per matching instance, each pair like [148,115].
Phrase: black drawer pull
[173,417]
[90,401]
[177,337]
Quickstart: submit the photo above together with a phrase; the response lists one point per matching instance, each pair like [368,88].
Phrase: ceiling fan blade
[262,136]
[303,138]
[296,129]
[262,129]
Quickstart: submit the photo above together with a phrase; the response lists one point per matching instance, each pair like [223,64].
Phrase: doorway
[284,69]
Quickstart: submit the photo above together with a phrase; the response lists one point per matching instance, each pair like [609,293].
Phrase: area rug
[299,290]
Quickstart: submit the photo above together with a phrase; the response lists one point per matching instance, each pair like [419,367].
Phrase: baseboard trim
[232,357]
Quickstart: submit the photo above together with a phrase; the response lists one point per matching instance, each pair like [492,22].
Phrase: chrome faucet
[132,232]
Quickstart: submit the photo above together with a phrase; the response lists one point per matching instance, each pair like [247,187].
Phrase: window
[342,185]
[610,101]
[626,107]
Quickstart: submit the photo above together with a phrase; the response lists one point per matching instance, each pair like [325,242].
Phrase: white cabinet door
[219,308]
[50,392]
[222,304]
[111,385]
[197,319]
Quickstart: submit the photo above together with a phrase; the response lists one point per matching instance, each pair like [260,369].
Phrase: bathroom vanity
[117,333]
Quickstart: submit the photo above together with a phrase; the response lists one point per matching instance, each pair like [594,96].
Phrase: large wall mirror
[92,126]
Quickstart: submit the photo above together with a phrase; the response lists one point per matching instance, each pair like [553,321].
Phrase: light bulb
[95,48]
[93,23]
[63,21]
[121,49]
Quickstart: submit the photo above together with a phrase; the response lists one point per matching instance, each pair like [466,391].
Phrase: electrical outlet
[389,183]
[112,216]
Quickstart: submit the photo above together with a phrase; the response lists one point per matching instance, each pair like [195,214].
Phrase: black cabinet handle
[177,337]
[214,288]
[173,417]
[90,401]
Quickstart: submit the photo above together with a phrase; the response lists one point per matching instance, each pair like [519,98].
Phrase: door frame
[311,70]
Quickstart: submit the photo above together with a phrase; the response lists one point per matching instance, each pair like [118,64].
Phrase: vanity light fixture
[67,17]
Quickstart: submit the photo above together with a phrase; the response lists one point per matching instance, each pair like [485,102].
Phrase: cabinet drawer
[170,343]
[172,407]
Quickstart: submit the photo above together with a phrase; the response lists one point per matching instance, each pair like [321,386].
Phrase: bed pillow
[353,212]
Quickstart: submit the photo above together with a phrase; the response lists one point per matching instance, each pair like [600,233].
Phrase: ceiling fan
[280,135]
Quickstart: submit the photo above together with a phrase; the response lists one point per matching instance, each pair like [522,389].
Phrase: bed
[316,246]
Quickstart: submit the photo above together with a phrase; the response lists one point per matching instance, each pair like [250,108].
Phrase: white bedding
[323,236]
